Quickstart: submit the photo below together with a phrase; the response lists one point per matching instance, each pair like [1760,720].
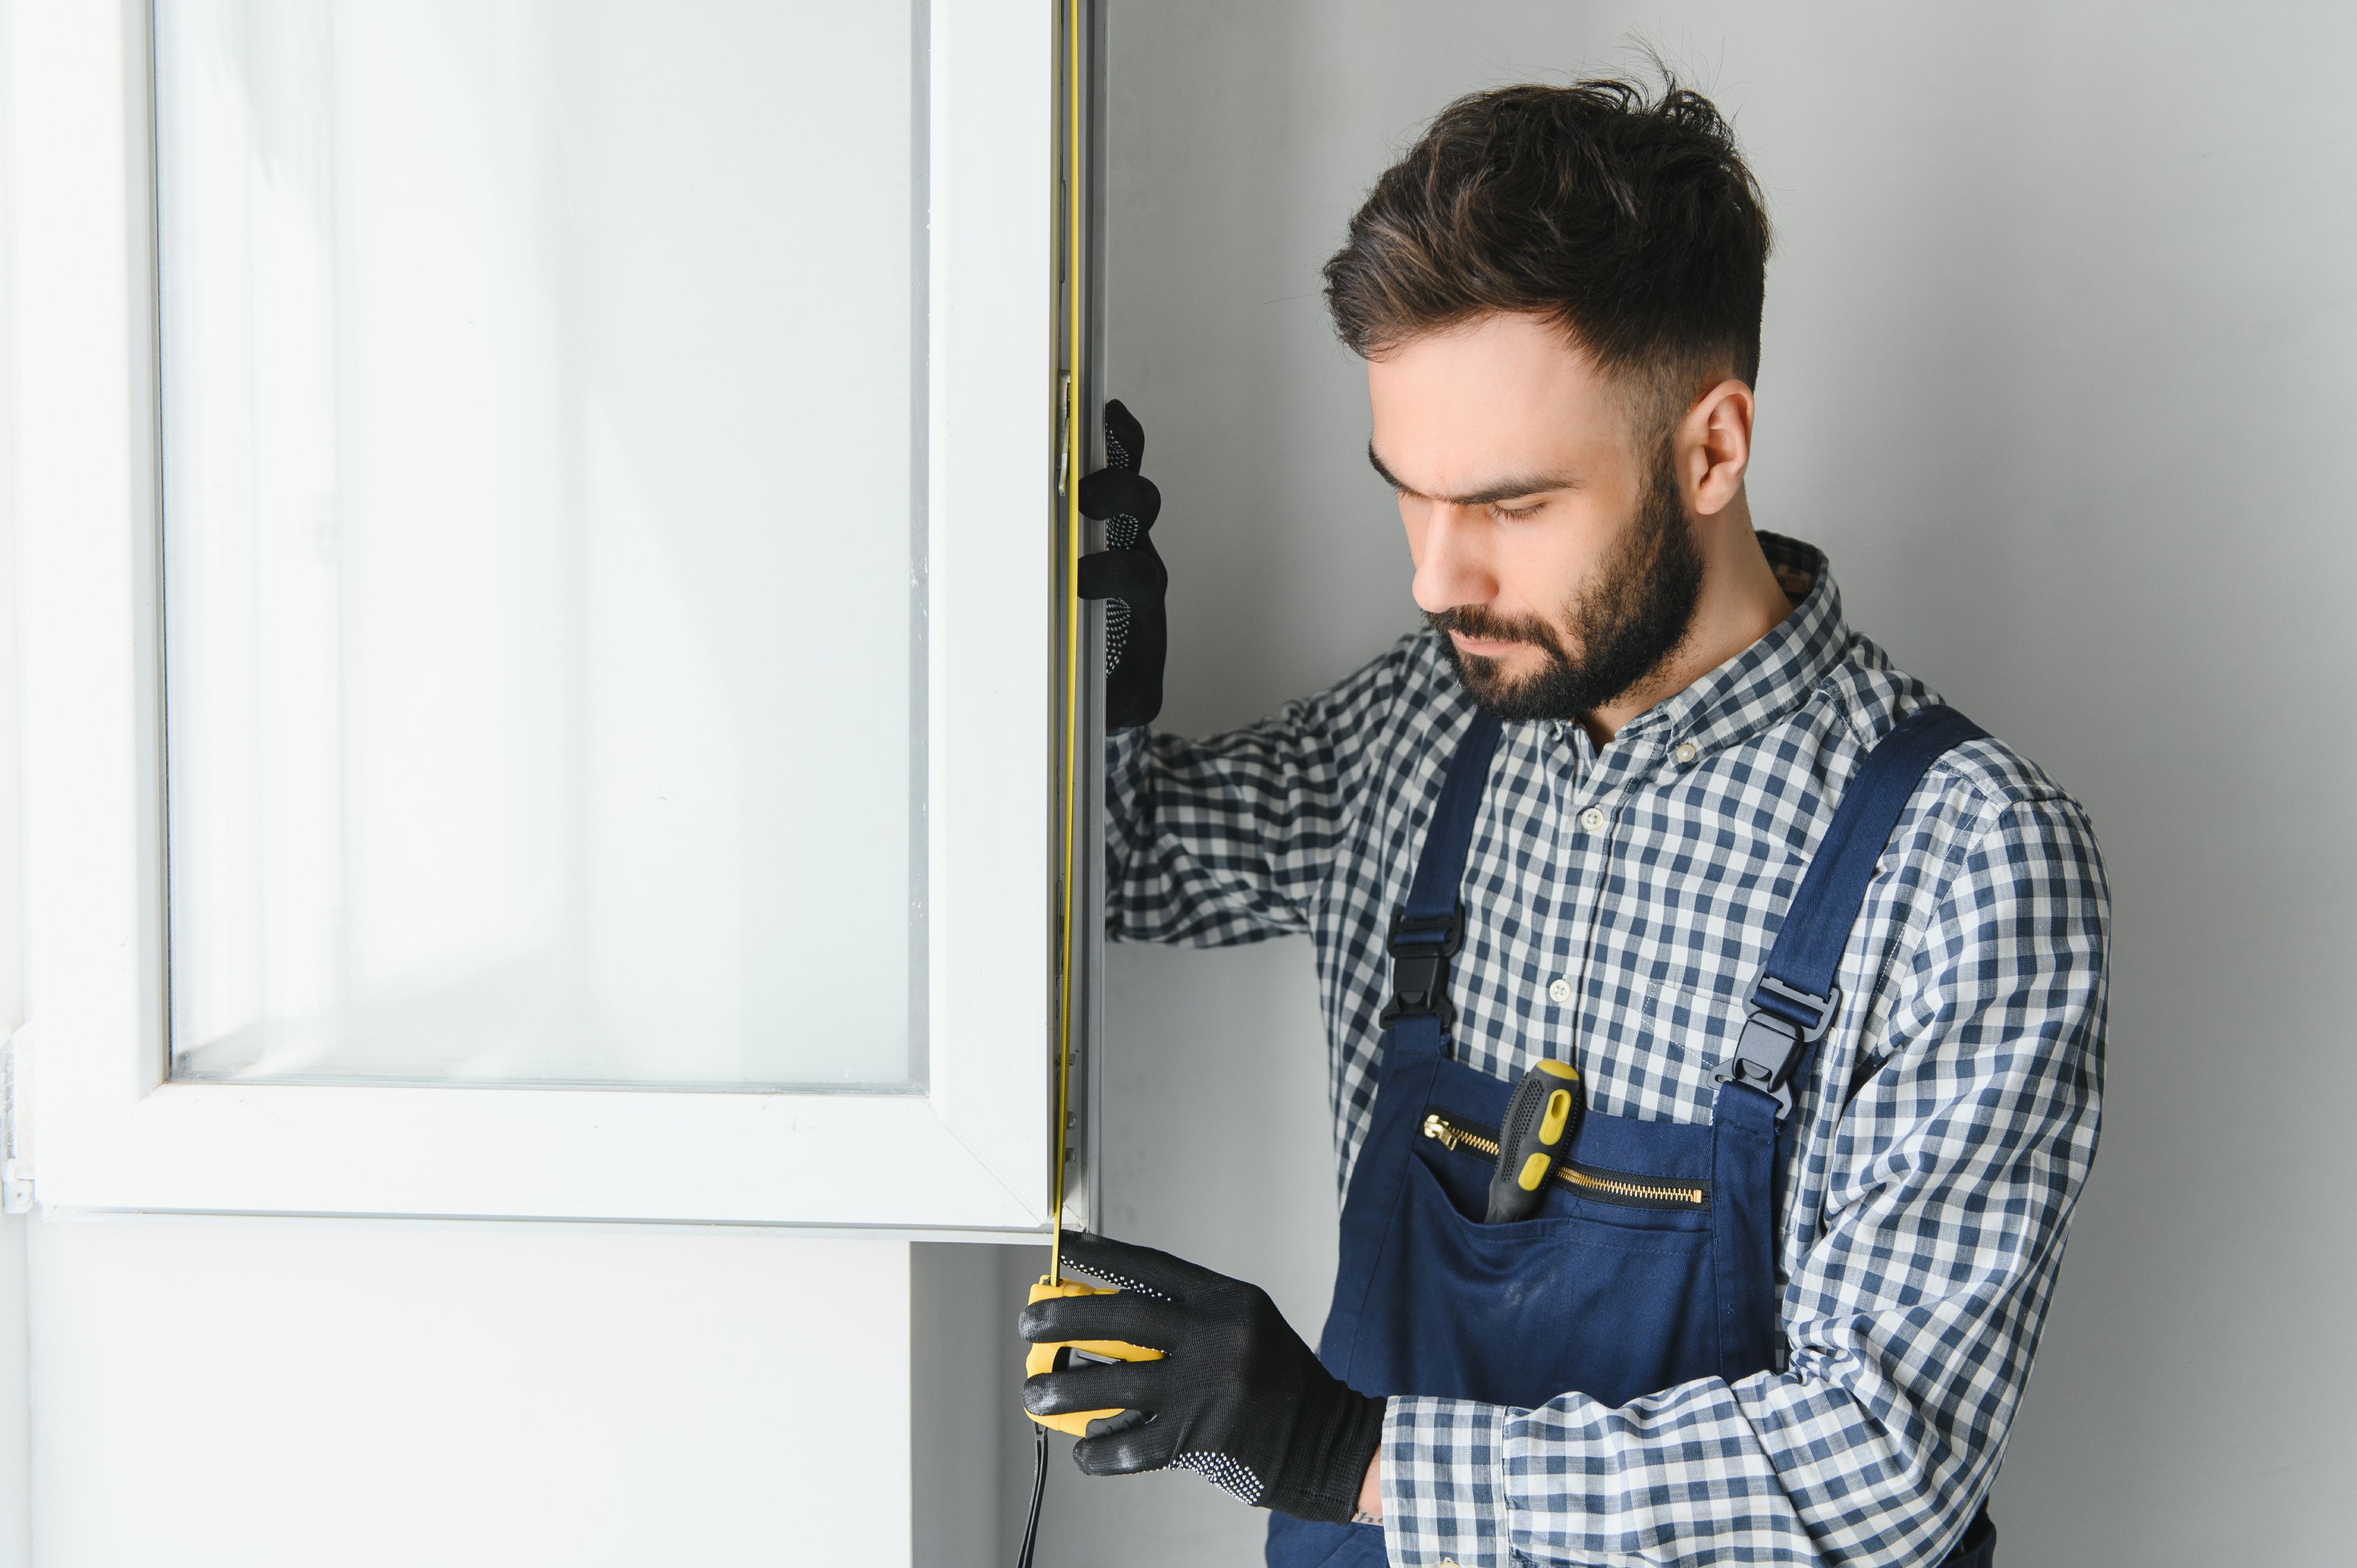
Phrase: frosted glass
[542,422]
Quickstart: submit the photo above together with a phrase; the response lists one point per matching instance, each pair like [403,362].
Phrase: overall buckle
[1783,1019]
[1420,950]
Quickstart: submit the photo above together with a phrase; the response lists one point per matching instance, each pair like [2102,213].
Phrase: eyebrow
[1513,487]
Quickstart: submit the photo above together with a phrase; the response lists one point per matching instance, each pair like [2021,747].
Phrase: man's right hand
[1128,573]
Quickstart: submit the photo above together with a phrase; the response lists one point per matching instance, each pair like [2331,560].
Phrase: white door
[541,639]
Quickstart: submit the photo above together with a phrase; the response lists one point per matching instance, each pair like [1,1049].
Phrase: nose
[1453,566]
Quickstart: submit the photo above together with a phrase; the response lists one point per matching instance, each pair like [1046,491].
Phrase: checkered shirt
[1620,904]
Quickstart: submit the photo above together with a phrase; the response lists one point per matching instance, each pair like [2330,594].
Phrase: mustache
[1472,620]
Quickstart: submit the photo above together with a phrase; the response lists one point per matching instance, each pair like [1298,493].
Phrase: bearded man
[1715,1017]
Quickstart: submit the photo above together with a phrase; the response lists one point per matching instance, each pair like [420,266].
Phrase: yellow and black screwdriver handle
[1542,1120]
[1063,1355]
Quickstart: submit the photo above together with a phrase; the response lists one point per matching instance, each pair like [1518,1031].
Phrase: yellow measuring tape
[1053,1357]
[1069,480]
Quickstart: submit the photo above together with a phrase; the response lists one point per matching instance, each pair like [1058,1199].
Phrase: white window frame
[967,1157]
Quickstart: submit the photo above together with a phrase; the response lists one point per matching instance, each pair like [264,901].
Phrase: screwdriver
[1541,1120]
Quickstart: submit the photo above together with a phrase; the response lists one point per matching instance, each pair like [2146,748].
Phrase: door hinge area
[16,1125]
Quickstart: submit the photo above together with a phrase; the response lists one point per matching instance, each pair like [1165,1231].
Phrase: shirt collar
[1768,678]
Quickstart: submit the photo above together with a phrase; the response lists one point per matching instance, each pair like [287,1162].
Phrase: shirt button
[1558,989]
[1592,819]
[1687,751]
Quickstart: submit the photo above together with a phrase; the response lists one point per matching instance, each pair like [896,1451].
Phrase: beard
[1625,621]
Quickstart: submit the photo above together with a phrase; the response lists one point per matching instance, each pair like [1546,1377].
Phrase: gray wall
[2057,368]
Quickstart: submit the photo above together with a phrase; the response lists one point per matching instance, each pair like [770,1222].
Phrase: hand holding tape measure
[1178,1365]
[1170,1364]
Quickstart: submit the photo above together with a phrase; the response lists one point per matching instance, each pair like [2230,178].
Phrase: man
[1779,1294]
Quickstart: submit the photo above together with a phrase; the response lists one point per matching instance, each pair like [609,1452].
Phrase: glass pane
[542,452]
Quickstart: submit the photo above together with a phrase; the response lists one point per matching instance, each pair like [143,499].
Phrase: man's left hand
[1128,572]
[1237,1397]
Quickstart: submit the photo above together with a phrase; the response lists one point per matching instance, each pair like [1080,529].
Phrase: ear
[1714,447]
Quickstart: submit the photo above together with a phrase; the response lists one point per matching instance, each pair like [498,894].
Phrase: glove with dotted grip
[1237,1396]
[1127,574]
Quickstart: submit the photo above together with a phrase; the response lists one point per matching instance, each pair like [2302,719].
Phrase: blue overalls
[1651,1262]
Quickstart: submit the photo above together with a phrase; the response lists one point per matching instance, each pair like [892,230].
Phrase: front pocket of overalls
[1518,1313]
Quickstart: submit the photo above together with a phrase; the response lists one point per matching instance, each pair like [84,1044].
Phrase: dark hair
[1627,219]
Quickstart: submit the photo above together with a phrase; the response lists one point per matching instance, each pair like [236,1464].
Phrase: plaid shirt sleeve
[1912,1303]
[1232,840]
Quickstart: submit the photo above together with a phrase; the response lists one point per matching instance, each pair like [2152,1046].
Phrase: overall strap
[1429,928]
[1794,1002]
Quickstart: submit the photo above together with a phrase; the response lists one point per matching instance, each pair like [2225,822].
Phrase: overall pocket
[1610,1299]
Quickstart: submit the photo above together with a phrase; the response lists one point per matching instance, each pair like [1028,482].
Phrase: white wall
[966,1420]
[258,1393]
[15,1403]
[2055,368]
[16,1458]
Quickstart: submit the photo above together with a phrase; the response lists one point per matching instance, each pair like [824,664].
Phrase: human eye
[1515,513]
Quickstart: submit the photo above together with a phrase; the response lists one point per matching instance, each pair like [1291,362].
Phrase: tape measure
[1066,1354]
[1059,1356]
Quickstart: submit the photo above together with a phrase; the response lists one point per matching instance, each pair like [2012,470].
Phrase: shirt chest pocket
[1668,1040]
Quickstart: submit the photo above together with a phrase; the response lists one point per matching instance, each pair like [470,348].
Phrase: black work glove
[1238,1397]
[1127,573]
